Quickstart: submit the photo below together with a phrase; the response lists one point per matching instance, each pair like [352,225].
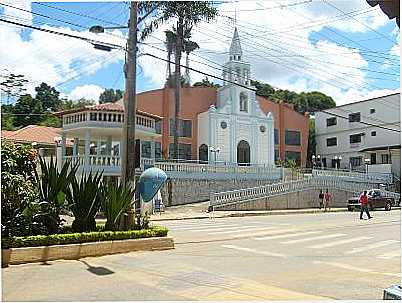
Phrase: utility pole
[128,146]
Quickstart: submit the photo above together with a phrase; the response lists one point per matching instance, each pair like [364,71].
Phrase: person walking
[364,205]
[321,199]
[327,200]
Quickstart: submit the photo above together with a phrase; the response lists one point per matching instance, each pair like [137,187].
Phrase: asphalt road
[287,257]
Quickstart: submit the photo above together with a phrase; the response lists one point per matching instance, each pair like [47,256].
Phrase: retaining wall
[179,192]
[297,200]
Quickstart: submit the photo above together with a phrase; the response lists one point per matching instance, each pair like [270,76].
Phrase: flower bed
[74,238]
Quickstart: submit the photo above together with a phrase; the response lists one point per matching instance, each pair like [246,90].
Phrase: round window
[224,124]
[262,128]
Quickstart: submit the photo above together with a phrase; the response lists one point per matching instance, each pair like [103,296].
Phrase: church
[229,124]
[236,129]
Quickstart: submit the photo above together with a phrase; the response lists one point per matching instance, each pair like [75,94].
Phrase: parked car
[376,199]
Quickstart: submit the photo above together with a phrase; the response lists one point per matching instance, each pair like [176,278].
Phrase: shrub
[84,201]
[115,202]
[53,185]
[18,188]
[59,239]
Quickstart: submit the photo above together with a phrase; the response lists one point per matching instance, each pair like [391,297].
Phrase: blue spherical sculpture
[151,180]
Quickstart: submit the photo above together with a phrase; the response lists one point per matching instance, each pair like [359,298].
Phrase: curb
[22,255]
[250,214]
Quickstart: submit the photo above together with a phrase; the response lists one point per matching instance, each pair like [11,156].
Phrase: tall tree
[206,83]
[311,140]
[27,111]
[110,95]
[48,97]
[186,14]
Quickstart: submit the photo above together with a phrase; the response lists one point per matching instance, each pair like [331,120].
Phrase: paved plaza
[288,257]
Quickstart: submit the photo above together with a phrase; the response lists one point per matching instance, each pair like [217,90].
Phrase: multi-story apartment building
[360,133]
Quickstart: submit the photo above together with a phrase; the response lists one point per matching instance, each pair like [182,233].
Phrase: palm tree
[187,14]
[170,46]
[189,47]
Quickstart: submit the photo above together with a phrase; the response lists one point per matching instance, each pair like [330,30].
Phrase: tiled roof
[111,107]
[33,133]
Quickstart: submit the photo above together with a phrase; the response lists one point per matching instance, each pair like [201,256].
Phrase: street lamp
[215,150]
[367,162]
[319,160]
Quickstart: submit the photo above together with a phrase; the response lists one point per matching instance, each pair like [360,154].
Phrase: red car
[376,199]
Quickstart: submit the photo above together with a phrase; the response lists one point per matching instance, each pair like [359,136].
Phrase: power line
[243,86]
[269,8]
[357,20]
[64,34]
[55,19]
[361,122]
[78,14]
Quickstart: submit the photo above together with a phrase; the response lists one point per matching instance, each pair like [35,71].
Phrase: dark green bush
[18,189]
[58,239]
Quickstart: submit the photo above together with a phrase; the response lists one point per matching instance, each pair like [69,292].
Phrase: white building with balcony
[360,133]
[97,136]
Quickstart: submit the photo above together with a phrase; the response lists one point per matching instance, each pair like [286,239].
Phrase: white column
[75,147]
[87,147]
[153,150]
[63,145]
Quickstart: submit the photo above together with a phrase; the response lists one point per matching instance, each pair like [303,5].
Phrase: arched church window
[243,102]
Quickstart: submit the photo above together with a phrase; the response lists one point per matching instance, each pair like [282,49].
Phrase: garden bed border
[23,255]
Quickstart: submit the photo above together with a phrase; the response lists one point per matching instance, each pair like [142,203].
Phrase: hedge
[59,239]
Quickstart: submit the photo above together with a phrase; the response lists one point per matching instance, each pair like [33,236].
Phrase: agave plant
[84,200]
[115,202]
[53,185]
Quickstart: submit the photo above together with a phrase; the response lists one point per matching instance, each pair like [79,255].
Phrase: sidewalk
[199,211]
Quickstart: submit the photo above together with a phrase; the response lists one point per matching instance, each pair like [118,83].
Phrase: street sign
[151,180]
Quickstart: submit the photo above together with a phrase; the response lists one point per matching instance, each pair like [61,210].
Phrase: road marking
[313,238]
[265,253]
[262,233]
[224,228]
[206,227]
[390,255]
[371,246]
[331,244]
[241,231]
[353,268]
[287,235]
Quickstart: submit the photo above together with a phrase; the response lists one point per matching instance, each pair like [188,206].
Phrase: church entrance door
[243,153]
[203,153]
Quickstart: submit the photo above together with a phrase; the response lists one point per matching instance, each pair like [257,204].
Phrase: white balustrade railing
[75,160]
[373,177]
[104,160]
[208,168]
[315,182]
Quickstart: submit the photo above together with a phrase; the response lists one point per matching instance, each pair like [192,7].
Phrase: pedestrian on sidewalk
[364,205]
[327,200]
[321,199]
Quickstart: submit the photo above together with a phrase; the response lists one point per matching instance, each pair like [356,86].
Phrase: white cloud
[88,91]
[277,43]
[44,57]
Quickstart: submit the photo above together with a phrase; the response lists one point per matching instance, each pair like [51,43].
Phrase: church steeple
[235,51]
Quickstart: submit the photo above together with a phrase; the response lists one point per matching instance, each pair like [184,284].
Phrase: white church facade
[236,129]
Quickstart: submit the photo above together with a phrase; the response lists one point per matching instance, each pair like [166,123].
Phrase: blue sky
[302,46]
